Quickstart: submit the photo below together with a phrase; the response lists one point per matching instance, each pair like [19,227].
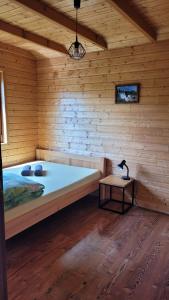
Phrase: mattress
[58,180]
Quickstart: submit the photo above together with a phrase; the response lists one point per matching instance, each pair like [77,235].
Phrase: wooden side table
[112,182]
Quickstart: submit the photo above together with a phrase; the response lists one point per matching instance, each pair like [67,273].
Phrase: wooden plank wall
[20,89]
[77,113]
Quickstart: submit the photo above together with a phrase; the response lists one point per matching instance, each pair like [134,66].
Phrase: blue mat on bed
[19,190]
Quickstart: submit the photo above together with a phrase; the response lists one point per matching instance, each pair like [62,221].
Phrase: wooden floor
[83,253]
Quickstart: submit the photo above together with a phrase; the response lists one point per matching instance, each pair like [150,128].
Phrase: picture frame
[127,93]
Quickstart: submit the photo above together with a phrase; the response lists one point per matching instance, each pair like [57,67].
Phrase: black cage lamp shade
[76,50]
[121,166]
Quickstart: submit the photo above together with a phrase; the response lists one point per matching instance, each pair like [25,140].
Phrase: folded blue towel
[26,171]
[38,170]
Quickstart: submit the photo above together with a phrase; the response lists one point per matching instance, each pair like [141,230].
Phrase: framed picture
[128,93]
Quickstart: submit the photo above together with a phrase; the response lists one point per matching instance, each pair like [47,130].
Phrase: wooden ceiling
[46,32]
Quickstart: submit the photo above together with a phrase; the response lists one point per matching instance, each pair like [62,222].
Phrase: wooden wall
[20,89]
[77,113]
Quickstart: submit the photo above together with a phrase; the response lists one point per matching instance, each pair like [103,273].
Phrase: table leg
[123,201]
[99,203]
[110,192]
[133,191]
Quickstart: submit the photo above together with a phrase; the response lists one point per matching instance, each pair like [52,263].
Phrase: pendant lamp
[76,50]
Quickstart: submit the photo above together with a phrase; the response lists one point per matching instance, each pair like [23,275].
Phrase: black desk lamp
[121,165]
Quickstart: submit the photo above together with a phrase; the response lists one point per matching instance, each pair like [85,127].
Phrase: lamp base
[125,177]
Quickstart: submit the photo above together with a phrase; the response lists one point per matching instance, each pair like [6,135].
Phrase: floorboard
[85,253]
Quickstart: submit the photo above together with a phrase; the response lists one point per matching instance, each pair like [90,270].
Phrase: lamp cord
[135,200]
[76,24]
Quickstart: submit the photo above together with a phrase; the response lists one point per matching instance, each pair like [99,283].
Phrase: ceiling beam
[62,19]
[134,17]
[32,37]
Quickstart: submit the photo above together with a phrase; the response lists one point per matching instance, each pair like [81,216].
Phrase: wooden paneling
[17,31]
[78,114]
[20,90]
[54,15]
[98,15]
[134,17]
[98,163]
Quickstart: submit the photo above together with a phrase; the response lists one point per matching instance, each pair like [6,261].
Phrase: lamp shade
[77,4]
[121,165]
[76,50]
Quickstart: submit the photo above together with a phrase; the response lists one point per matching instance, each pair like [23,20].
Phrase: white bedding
[59,179]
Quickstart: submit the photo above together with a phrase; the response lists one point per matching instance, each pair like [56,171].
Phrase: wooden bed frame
[17,224]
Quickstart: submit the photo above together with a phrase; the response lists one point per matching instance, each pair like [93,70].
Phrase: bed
[67,179]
